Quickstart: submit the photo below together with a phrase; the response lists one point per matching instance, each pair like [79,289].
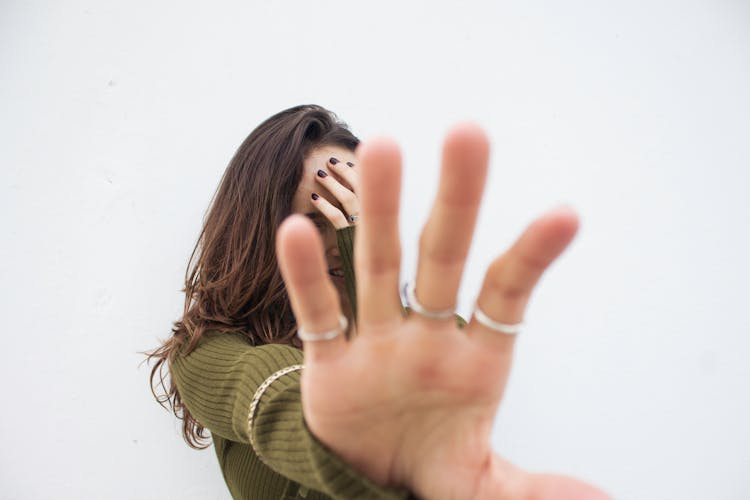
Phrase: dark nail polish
[315,196]
[322,174]
[333,160]
[350,164]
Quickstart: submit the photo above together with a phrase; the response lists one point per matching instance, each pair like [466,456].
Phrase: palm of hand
[400,395]
[411,401]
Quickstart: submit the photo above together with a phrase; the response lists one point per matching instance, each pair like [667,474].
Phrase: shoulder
[234,347]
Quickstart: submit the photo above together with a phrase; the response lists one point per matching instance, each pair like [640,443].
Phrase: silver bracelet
[256,399]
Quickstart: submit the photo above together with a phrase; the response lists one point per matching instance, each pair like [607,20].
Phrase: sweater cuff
[341,480]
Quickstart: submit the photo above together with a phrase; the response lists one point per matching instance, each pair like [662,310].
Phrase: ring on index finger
[496,326]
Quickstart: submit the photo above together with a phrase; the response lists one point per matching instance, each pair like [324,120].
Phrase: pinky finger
[314,299]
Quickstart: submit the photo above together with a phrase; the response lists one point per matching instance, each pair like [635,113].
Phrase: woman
[388,404]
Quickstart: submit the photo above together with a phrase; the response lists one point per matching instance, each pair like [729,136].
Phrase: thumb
[557,487]
[504,481]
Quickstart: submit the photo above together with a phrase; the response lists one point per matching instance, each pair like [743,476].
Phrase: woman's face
[303,203]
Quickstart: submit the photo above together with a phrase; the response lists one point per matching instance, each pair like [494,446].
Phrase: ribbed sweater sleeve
[345,239]
[217,382]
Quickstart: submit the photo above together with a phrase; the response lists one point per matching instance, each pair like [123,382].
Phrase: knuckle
[533,264]
[510,293]
[506,283]
[319,303]
[379,266]
[318,318]
[443,257]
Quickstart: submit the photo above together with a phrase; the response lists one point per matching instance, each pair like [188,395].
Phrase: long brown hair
[232,281]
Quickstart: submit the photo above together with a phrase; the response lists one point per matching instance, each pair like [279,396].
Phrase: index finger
[512,277]
[347,173]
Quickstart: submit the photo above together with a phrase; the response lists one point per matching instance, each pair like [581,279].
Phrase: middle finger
[446,238]
[347,198]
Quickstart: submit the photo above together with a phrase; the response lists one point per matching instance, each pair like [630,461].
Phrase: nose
[333,251]
[331,245]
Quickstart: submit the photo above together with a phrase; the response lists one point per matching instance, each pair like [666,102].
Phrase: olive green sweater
[217,383]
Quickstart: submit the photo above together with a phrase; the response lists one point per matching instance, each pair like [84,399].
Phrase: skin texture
[411,401]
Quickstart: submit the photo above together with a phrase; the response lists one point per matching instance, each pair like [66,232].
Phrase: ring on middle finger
[410,297]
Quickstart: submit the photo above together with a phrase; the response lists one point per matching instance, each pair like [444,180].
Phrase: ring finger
[331,212]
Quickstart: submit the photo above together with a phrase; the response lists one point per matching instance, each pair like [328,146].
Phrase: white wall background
[118,118]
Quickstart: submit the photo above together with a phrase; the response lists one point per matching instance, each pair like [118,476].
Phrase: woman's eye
[320,224]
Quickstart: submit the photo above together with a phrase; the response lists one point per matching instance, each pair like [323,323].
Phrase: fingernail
[333,160]
[350,164]
[322,174]
[315,196]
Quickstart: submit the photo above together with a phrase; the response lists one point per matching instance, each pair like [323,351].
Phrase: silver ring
[329,335]
[410,297]
[504,328]
[353,218]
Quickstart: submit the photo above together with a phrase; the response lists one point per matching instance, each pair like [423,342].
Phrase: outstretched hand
[411,401]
